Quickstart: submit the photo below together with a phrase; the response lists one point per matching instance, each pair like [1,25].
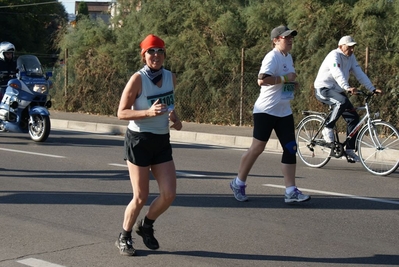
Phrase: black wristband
[262,76]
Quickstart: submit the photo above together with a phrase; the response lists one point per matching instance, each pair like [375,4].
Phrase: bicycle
[377,142]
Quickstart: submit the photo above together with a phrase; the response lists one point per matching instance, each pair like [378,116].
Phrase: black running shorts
[264,124]
[145,149]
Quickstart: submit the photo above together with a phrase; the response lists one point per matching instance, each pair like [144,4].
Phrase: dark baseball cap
[282,31]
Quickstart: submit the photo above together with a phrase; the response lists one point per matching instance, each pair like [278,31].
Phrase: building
[97,10]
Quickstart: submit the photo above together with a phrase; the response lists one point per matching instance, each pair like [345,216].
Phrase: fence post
[367,60]
[66,71]
[241,84]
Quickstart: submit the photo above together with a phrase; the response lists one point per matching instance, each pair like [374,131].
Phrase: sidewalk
[192,132]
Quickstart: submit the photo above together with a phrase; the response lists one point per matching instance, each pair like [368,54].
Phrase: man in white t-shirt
[331,85]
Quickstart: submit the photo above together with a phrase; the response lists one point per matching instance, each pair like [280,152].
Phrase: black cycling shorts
[264,124]
[145,149]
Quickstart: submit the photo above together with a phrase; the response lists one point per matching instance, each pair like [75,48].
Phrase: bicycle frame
[377,141]
[365,121]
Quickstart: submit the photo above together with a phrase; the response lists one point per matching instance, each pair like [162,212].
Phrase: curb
[177,136]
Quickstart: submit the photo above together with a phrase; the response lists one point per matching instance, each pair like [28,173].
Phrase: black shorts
[264,124]
[145,149]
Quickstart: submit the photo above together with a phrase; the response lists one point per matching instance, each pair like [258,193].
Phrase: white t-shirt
[275,99]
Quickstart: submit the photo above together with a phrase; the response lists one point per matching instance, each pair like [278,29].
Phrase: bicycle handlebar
[364,93]
[367,95]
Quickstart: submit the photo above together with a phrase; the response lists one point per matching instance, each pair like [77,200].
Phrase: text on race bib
[166,98]
[288,87]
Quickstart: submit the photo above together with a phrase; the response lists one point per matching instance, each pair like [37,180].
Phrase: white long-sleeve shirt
[335,69]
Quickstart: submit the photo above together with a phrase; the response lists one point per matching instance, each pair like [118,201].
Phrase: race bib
[166,98]
[288,91]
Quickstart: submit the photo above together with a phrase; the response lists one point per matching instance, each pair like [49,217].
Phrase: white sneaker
[239,191]
[296,196]
[328,135]
[350,153]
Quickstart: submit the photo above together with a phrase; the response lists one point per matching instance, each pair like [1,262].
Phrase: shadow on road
[321,202]
[376,259]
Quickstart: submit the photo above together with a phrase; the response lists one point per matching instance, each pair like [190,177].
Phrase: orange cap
[151,41]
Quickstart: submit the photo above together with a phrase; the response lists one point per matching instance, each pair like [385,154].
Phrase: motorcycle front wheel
[39,127]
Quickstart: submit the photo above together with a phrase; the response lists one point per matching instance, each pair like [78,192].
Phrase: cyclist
[331,84]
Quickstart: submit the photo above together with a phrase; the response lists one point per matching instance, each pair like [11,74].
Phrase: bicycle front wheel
[379,148]
[309,146]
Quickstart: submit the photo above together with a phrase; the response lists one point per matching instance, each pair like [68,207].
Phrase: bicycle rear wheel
[309,147]
[379,149]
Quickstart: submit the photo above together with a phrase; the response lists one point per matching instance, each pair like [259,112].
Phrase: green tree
[377,30]
[35,33]
[94,80]
[204,41]
[83,11]
[201,40]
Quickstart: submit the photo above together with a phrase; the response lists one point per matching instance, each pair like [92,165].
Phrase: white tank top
[149,94]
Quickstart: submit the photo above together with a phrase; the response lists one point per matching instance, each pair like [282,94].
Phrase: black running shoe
[147,233]
[125,246]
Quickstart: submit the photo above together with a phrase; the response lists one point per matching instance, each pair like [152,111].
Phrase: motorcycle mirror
[14,105]
[49,74]
[48,104]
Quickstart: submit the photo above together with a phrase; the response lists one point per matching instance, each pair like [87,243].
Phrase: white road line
[32,153]
[117,165]
[190,174]
[339,194]
[177,173]
[38,263]
[302,189]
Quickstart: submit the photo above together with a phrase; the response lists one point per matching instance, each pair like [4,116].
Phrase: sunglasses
[286,37]
[152,51]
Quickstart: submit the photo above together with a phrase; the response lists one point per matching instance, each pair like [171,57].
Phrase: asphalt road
[62,204]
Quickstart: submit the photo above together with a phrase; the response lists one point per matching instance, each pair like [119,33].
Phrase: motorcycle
[24,106]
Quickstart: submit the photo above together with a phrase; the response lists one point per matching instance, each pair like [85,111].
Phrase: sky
[70,4]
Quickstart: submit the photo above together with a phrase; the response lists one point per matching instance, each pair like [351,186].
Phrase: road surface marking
[38,263]
[31,153]
[177,173]
[339,194]
[302,189]
[117,165]
[190,174]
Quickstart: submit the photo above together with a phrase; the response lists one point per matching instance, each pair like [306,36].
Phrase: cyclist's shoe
[239,191]
[296,196]
[125,246]
[351,155]
[328,135]
[147,233]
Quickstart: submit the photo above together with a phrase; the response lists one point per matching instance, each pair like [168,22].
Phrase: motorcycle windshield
[30,65]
